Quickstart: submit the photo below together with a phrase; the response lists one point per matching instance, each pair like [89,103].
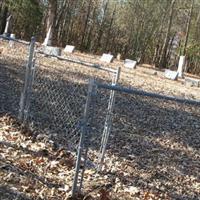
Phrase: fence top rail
[78,61]
[147,94]
[15,40]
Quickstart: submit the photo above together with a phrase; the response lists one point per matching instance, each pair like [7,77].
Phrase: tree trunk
[4,15]
[102,21]
[188,27]
[163,58]
[85,25]
[110,28]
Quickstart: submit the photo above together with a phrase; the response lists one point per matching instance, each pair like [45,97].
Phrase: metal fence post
[108,122]
[29,90]
[28,81]
[82,143]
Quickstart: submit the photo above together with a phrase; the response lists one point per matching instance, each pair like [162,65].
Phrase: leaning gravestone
[192,82]
[52,51]
[69,49]
[107,58]
[7,26]
[130,63]
[171,74]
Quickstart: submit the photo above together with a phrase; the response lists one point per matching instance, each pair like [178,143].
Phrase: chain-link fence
[152,143]
[59,94]
[138,139]
[52,90]
[13,61]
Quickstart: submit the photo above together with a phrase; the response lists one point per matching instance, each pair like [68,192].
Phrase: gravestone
[69,49]
[181,65]
[11,43]
[173,75]
[47,41]
[130,63]
[192,82]
[7,26]
[118,56]
[52,51]
[107,58]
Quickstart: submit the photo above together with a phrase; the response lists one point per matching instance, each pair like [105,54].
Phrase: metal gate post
[28,81]
[82,144]
[108,122]
[29,89]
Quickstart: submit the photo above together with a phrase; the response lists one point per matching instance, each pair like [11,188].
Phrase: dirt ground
[153,151]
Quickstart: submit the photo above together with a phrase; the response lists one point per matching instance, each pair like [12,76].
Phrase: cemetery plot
[137,164]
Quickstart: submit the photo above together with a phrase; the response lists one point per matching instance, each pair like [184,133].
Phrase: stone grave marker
[52,51]
[118,56]
[11,43]
[69,49]
[130,63]
[107,58]
[192,82]
[48,41]
[173,75]
[181,66]
[7,26]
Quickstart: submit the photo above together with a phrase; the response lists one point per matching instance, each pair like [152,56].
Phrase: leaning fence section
[13,61]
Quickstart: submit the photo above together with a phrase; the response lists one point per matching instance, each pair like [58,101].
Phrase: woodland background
[156,32]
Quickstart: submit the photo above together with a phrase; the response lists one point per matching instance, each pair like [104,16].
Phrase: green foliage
[27,17]
[193,55]
[133,28]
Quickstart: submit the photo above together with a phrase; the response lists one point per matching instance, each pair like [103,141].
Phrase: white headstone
[11,43]
[107,58]
[171,74]
[181,65]
[47,41]
[118,56]
[12,36]
[69,49]
[7,25]
[130,63]
[52,51]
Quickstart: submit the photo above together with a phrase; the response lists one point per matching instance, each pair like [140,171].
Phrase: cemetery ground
[154,153]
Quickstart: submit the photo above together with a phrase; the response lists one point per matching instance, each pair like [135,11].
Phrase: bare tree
[163,57]
[188,27]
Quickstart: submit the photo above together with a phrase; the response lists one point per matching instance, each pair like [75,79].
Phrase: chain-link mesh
[154,143]
[13,61]
[59,95]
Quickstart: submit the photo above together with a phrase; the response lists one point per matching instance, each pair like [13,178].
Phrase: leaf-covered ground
[34,167]
[153,152]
